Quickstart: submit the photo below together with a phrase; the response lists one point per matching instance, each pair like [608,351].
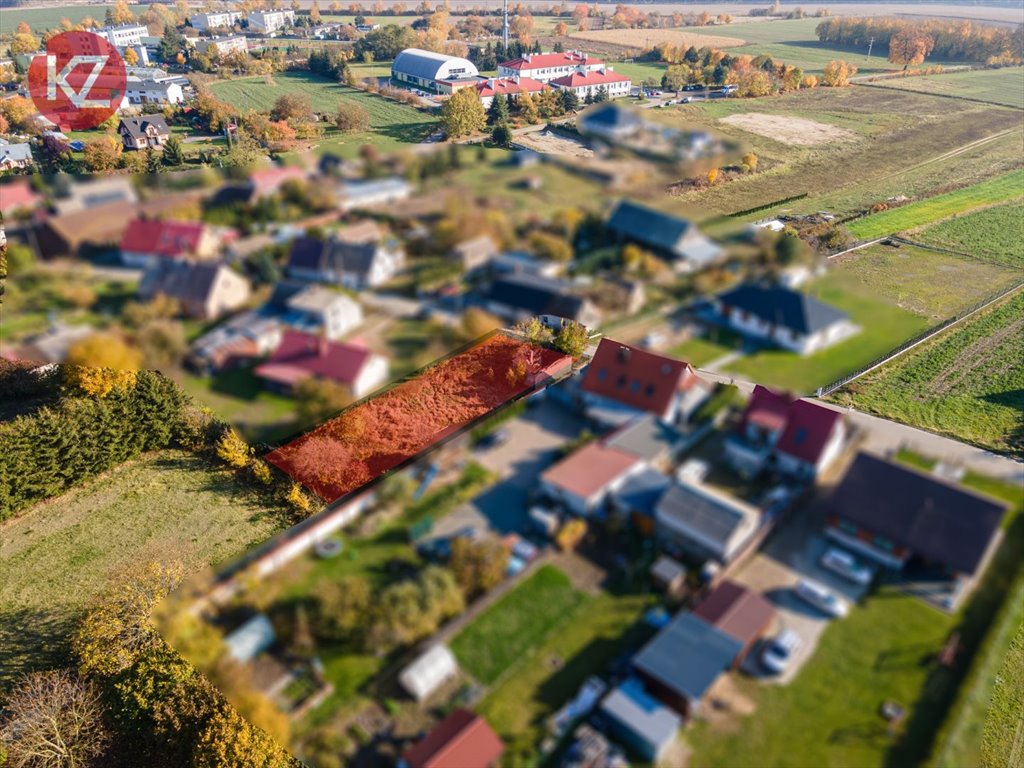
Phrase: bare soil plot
[648,38]
[795,131]
[549,143]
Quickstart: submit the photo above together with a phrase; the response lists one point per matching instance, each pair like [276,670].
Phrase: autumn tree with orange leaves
[909,47]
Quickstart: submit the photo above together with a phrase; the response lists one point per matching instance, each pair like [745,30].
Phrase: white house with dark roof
[520,296]
[357,257]
[146,91]
[145,131]
[790,319]
[670,237]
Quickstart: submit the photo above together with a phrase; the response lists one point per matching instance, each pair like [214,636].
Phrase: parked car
[493,439]
[779,651]
[653,339]
[822,598]
[846,565]
[686,100]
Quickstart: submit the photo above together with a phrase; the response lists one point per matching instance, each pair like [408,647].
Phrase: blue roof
[637,710]
[640,492]
[688,655]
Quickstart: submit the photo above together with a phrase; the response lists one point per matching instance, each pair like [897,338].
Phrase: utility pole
[504,25]
[871,42]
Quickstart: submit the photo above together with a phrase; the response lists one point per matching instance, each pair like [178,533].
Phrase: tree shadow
[32,640]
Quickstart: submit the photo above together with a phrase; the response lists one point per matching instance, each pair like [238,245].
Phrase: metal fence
[921,337]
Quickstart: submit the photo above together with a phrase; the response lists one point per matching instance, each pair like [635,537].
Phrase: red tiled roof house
[510,87]
[623,381]
[547,66]
[302,355]
[795,437]
[147,241]
[584,480]
[585,84]
[461,740]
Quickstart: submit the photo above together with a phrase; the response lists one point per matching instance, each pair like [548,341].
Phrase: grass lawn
[700,351]
[638,71]
[1009,186]
[991,233]
[240,398]
[587,640]
[936,285]
[996,86]
[516,624]
[883,326]
[1003,726]
[828,716]
[60,554]
[392,125]
[967,383]
[794,42]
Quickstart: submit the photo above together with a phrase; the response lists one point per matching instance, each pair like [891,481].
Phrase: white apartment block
[222,46]
[271,21]
[123,36]
[214,20]
[154,92]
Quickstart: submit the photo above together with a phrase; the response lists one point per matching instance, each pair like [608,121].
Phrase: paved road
[884,437]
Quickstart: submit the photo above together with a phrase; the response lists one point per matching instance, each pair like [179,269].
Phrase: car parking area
[531,445]
[792,554]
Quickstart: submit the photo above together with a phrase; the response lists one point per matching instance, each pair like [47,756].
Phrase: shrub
[233,450]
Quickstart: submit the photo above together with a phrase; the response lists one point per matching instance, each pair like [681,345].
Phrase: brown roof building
[739,613]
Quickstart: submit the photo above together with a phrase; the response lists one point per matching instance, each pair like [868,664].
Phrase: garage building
[434,71]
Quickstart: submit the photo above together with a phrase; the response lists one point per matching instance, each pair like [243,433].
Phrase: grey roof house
[791,319]
[610,121]
[684,660]
[202,290]
[14,155]
[357,258]
[143,132]
[519,296]
[670,237]
[704,522]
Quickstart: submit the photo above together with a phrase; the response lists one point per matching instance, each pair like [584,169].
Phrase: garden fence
[921,337]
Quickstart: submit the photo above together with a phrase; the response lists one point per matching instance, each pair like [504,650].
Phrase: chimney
[321,345]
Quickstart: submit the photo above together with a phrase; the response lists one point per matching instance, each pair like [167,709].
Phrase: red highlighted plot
[381,433]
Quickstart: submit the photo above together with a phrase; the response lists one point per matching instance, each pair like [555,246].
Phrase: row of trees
[910,40]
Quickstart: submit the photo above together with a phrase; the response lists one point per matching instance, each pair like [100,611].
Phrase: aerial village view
[511,384]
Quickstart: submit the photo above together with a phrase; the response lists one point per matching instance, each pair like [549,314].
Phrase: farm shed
[435,71]
[429,672]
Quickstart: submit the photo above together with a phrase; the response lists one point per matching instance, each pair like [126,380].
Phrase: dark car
[493,439]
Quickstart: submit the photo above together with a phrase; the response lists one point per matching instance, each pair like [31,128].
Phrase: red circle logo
[79,82]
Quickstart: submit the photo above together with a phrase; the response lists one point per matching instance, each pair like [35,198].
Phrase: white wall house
[271,21]
[154,92]
[214,20]
[371,377]
[547,66]
[126,35]
[590,83]
[222,46]
[429,672]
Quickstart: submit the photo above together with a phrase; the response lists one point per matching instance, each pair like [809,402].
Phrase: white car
[822,598]
[779,651]
[846,565]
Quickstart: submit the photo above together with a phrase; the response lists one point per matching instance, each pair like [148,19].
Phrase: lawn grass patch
[60,554]
[598,630]
[829,715]
[883,327]
[1009,186]
[925,282]
[996,86]
[1001,736]
[991,233]
[701,350]
[966,383]
[392,125]
[516,624]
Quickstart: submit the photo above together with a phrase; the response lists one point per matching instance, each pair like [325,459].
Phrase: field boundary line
[940,95]
[919,339]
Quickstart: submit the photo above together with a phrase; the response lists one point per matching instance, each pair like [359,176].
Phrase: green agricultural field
[925,282]
[392,125]
[515,625]
[967,382]
[794,42]
[61,553]
[41,19]
[639,71]
[868,151]
[883,327]
[992,233]
[1009,186]
[996,86]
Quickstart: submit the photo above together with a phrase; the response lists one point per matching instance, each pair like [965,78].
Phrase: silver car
[822,598]
[846,565]
[778,653]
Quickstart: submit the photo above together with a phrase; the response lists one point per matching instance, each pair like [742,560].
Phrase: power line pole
[504,25]
[871,42]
